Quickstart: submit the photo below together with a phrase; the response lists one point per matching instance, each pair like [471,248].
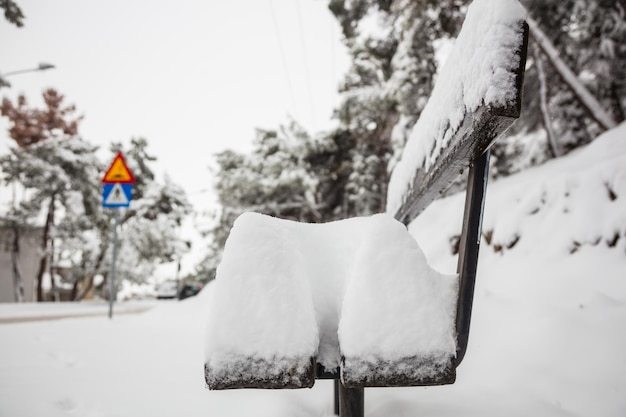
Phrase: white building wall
[28,263]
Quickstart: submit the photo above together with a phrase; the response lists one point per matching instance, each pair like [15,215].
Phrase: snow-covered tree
[148,230]
[12,12]
[396,47]
[153,230]
[51,163]
[271,180]
[393,46]
[574,84]
[289,174]
[60,175]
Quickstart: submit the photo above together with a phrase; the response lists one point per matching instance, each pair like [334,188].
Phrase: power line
[283,58]
[333,63]
[333,54]
[306,66]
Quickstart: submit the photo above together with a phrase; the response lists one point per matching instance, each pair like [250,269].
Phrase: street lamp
[41,67]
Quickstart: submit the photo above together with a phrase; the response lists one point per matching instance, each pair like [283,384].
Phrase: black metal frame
[350,402]
[468,249]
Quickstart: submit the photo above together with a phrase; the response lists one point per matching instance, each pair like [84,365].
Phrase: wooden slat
[259,373]
[475,135]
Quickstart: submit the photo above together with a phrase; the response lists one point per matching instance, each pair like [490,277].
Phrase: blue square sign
[116,195]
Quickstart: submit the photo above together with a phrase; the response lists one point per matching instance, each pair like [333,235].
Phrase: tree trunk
[553,145]
[100,288]
[585,98]
[74,292]
[393,116]
[44,246]
[88,287]
[52,271]
[18,285]
[89,280]
[618,111]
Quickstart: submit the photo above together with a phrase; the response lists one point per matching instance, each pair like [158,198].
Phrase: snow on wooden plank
[476,97]
[262,330]
[398,314]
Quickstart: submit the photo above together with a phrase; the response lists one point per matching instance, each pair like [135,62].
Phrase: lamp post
[41,67]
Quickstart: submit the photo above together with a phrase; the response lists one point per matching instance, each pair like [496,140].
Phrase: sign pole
[112,292]
[117,192]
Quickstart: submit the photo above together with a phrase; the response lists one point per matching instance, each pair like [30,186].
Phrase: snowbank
[358,289]
[548,211]
[479,71]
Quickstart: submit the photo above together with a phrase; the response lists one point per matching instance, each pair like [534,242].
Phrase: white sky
[194,77]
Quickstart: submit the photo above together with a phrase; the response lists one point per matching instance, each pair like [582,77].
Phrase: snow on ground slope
[550,303]
[547,212]
[547,335]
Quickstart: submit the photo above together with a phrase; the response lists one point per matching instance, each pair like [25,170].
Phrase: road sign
[116,195]
[118,184]
[117,191]
[118,172]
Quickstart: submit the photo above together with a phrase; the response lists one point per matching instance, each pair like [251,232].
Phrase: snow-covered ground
[10,312]
[548,333]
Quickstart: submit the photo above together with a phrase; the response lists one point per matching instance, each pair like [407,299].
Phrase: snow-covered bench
[356,299]
[355,294]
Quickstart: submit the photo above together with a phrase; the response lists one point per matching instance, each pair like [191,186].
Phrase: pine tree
[12,12]
[394,64]
[271,180]
[598,30]
[587,40]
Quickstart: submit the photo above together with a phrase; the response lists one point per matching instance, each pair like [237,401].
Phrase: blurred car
[167,290]
[189,289]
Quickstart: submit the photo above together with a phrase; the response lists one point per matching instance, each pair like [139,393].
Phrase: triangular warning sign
[117,196]
[119,172]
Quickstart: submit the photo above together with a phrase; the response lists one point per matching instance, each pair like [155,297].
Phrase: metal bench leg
[351,402]
[336,384]
[468,251]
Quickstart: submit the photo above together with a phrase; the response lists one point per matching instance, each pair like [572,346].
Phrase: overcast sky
[192,76]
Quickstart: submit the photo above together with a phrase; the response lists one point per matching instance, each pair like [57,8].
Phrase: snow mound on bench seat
[262,326]
[398,314]
[359,288]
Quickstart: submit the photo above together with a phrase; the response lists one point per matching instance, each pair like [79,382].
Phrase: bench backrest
[477,96]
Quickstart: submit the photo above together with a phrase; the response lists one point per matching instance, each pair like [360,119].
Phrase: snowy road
[9,320]
[28,312]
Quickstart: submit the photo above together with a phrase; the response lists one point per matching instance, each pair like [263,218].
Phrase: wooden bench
[476,97]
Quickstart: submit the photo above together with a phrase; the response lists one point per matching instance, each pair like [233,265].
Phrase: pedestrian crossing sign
[116,195]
